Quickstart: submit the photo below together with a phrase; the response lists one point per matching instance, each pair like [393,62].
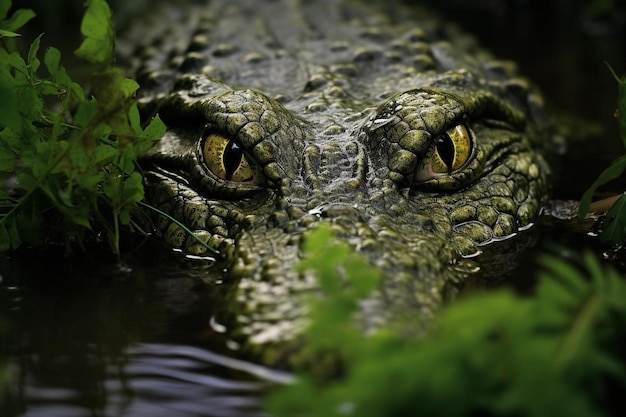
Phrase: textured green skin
[337,104]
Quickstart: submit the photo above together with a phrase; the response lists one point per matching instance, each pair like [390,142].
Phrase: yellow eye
[224,158]
[452,150]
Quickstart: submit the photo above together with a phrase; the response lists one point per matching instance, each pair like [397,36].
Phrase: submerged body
[416,145]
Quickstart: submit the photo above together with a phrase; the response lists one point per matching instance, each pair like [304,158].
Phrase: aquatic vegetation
[560,351]
[68,155]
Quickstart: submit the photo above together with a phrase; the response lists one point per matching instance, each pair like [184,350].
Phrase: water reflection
[184,380]
[155,380]
[84,339]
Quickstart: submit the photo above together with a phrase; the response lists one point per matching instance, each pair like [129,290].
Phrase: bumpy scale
[415,144]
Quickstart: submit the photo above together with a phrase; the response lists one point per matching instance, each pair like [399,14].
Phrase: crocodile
[418,147]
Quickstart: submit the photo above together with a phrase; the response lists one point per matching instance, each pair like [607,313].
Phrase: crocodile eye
[226,160]
[450,152]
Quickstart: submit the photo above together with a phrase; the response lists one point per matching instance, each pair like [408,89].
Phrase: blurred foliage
[559,352]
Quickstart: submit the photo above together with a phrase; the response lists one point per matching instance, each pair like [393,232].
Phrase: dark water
[86,337]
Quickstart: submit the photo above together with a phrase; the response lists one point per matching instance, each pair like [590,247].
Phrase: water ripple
[165,380]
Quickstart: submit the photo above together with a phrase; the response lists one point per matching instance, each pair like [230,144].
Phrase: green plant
[68,160]
[560,352]
[614,224]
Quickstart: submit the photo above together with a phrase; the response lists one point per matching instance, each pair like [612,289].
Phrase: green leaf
[85,112]
[97,27]
[612,172]
[9,113]
[16,61]
[48,88]
[317,239]
[27,182]
[569,277]
[5,5]
[7,165]
[133,189]
[11,140]
[33,61]
[52,60]
[104,154]
[362,276]
[127,161]
[134,118]
[114,93]
[112,88]
[8,34]
[19,19]
[614,223]
[155,130]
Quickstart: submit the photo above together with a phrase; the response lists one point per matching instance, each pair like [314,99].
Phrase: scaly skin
[337,107]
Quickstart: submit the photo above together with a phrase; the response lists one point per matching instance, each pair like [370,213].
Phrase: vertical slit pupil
[445,149]
[232,159]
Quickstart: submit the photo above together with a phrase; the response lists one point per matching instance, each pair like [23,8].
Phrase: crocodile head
[415,145]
